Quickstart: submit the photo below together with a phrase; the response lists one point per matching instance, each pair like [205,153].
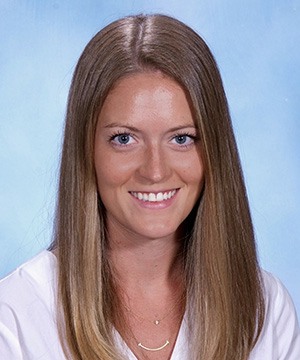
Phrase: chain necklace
[156,321]
[177,307]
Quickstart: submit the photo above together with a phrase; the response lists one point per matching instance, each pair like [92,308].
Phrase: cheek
[192,170]
[112,169]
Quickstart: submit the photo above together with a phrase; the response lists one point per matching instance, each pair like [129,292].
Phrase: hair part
[221,269]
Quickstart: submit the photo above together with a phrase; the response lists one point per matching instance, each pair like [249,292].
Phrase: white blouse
[28,328]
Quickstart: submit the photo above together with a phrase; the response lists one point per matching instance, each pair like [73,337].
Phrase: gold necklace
[154,349]
[157,321]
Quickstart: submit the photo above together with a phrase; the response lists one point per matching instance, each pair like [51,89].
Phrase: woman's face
[147,158]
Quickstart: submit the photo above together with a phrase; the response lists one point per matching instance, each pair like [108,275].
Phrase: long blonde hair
[223,285]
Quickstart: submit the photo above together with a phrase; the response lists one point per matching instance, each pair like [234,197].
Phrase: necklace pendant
[153,349]
[157,322]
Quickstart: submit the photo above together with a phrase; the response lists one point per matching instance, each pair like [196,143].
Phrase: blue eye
[184,139]
[181,139]
[122,139]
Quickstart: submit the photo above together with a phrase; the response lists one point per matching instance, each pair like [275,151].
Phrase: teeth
[159,196]
[152,197]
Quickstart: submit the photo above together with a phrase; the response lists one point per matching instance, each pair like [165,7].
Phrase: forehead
[154,83]
[142,95]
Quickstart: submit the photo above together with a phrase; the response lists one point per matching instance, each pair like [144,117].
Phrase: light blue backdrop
[256,44]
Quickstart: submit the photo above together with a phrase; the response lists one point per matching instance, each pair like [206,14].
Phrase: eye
[183,139]
[122,139]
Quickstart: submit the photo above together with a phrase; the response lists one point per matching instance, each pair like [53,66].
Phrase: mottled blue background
[256,44]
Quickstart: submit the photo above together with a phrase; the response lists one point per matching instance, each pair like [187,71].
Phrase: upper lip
[153,191]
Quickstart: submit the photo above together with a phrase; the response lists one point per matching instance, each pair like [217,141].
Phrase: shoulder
[279,303]
[28,310]
[280,337]
[29,287]
[31,279]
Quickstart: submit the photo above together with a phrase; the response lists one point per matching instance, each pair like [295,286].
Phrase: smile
[154,197]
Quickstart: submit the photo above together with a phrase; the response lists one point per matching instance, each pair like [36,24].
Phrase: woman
[153,254]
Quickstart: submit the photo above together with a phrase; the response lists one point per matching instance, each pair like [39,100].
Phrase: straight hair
[225,303]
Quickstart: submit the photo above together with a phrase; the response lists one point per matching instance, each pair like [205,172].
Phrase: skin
[146,142]
[150,110]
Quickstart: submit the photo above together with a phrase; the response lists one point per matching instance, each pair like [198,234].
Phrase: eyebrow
[127,126]
[132,128]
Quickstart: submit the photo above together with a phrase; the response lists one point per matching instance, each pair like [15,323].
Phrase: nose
[155,166]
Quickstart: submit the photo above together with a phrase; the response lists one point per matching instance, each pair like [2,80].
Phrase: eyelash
[119,133]
[194,138]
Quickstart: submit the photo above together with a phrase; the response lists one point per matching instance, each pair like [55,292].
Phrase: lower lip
[156,205]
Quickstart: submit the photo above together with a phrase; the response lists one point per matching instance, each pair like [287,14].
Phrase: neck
[143,264]
[150,293]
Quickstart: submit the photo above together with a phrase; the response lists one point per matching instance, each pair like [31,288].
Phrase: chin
[154,232]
